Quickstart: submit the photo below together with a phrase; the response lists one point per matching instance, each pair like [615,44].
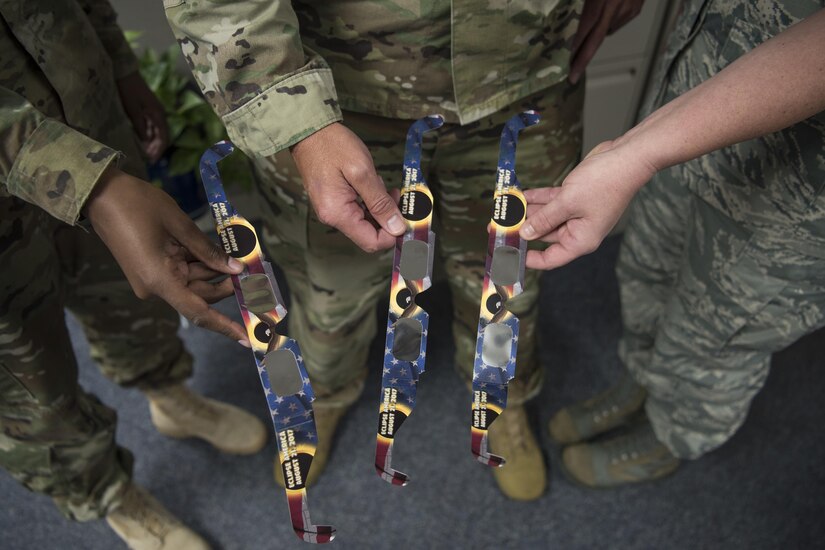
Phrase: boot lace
[630,447]
[614,399]
[516,426]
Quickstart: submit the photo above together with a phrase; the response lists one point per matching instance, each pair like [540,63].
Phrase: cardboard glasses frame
[278,358]
[498,328]
[405,349]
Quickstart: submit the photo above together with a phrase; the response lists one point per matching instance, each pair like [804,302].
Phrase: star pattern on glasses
[284,410]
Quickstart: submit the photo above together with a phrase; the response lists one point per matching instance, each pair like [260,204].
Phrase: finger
[370,187]
[590,16]
[195,308]
[148,140]
[199,271]
[212,292]
[533,208]
[624,16]
[588,48]
[153,149]
[161,129]
[360,231]
[151,131]
[552,237]
[544,220]
[200,247]
[541,196]
[552,257]
[139,123]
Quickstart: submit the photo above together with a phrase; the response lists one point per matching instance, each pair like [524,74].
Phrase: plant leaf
[190,100]
[183,161]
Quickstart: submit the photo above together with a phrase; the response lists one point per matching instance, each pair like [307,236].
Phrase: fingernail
[245,343]
[396,225]
[527,231]
[235,265]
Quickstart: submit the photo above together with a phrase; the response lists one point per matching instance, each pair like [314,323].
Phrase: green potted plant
[193,127]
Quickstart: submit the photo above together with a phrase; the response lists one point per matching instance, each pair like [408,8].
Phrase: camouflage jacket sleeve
[269,90]
[104,20]
[46,163]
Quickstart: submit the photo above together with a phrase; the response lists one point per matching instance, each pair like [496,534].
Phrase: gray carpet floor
[761,490]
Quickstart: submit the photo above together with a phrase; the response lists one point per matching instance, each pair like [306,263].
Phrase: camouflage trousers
[54,437]
[705,302]
[335,286]
[723,261]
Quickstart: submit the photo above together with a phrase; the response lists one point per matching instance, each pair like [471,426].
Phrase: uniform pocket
[726,282]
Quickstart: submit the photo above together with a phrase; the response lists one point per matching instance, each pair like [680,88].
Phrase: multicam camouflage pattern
[335,286]
[56,68]
[723,262]
[46,46]
[268,69]
[55,438]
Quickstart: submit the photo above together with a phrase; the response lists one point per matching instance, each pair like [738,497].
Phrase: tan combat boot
[326,422]
[633,457]
[601,413]
[179,412]
[144,524]
[524,476]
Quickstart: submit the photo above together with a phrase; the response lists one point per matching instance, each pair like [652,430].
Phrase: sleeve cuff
[57,168]
[285,113]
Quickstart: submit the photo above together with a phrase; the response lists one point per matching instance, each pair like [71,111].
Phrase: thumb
[380,204]
[544,220]
[541,195]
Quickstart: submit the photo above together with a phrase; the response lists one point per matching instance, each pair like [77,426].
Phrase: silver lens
[406,344]
[497,345]
[257,294]
[282,369]
[505,266]
[414,259]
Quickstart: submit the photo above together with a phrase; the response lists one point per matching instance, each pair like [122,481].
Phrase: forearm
[776,85]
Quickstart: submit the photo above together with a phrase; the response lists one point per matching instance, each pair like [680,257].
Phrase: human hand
[338,174]
[146,113]
[577,216]
[161,251]
[599,19]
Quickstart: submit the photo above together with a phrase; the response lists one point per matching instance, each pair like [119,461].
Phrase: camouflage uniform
[278,71]
[58,105]
[723,262]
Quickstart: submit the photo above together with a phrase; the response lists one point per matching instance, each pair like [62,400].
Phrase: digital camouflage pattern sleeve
[269,90]
[45,162]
